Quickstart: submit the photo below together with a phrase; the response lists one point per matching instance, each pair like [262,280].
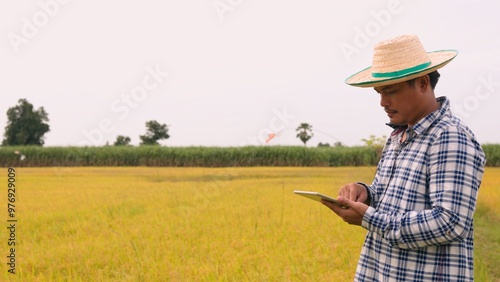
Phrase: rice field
[197,224]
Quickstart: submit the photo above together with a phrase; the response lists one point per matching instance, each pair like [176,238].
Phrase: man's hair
[433,78]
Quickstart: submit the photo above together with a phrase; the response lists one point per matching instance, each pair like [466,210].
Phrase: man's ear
[423,82]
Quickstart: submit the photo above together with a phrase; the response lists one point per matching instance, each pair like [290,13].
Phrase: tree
[304,132]
[155,132]
[25,126]
[377,143]
[323,145]
[122,140]
[338,144]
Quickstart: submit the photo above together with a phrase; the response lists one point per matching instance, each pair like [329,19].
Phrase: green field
[163,156]
[197,224]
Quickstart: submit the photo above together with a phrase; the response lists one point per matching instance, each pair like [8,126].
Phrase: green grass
[187,156]
[487,228]
[35,156]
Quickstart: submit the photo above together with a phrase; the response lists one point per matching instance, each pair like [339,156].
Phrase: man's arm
[455,172]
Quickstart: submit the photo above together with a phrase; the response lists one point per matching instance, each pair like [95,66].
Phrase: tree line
[28,126]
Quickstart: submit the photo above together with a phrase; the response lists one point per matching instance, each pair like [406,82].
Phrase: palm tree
[304,132]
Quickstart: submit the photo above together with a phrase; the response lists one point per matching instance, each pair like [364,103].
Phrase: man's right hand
[355,192]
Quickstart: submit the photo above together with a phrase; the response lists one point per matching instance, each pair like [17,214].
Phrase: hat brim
[364,78]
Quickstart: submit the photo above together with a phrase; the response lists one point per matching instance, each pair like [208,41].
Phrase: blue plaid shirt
[423,198]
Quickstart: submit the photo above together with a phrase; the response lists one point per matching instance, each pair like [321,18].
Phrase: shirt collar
[423,124]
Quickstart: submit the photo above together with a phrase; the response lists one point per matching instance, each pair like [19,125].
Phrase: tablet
[318,197]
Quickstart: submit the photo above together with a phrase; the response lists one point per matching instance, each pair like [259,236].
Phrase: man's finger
[345,202]
[330,205]
[353,194]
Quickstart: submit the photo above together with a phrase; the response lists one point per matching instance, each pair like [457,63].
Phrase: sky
[229,72]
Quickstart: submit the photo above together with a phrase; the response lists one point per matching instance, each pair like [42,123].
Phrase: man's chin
[396,122]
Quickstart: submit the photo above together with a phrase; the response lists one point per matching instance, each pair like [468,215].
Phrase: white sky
[236,74]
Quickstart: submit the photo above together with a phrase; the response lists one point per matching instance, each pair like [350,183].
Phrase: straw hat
[400,59]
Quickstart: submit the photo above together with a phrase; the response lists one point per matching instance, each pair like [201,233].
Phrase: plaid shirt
[423,198]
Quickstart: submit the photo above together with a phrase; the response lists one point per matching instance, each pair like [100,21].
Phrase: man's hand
[354,212]
[355,192]
[356,198]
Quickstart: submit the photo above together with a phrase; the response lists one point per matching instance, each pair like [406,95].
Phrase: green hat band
[401,72]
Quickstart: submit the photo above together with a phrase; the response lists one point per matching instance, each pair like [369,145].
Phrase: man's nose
[384,101]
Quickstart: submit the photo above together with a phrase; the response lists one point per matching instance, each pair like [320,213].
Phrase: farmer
[419,208]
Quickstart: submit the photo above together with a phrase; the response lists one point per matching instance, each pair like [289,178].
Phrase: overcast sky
[228,72]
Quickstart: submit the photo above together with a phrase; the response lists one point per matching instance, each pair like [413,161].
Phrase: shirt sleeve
[372,193]
[455,169]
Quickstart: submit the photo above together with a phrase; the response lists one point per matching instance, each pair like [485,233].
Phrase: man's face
[402,102]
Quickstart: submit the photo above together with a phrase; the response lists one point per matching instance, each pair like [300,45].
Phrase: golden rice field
[196,224]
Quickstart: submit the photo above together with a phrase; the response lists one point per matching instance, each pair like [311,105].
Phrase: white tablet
[318,197]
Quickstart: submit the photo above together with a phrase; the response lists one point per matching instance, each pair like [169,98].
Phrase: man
[419,209]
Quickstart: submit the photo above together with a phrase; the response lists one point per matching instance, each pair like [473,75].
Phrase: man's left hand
[352,213]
